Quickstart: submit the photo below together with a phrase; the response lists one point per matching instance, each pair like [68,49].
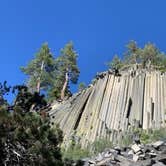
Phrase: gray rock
[118,149]
[142,156]
[99,157]
[130,152]
[91,162]
[139,152]
[158,164]
[107,154]
[152,154]
[158,143]
[135,148]
[104,162]
[135,157]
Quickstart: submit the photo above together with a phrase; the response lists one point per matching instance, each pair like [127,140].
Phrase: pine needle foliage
[26,137]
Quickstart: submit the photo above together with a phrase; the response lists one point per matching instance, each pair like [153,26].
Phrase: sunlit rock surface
[112,105]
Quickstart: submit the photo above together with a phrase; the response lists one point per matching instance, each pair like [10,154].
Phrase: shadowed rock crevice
[143,96]
[80,114]
[129,108]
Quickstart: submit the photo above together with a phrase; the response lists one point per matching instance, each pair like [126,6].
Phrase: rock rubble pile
[135,155]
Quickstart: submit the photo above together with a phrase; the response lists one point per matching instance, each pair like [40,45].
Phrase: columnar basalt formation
[112,105]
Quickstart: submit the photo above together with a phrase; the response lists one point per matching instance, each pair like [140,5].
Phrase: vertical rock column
[95,120]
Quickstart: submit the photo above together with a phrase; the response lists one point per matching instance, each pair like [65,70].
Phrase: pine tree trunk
[39,79]
[64,86]
[38,85]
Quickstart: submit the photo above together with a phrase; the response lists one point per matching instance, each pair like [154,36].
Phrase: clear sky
[98,28]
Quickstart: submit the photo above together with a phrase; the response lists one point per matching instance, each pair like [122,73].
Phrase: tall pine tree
[66,71]
[39,69]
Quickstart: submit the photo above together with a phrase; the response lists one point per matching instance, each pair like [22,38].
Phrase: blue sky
[98,28]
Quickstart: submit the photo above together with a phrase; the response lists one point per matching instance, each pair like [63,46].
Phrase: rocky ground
[135,155]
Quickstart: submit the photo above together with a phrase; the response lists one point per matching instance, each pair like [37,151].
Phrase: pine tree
[147,57]
[116,63]
[66,71]
[39,69]
[81,86]
[151,55]
[133,54]
[26,138]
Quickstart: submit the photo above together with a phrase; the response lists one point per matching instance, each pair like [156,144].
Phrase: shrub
[75,153]
[148,136]
[126,140]
[159,134]
[145,137]
[101,144]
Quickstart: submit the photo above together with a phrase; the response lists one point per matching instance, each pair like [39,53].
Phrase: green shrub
[145,137]
[75,153]
[126,140]
[158,134]
[148,136]
[100,144]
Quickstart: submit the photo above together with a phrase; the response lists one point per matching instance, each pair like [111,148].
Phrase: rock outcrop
[112,105]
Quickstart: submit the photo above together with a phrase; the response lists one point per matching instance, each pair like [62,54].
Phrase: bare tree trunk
[64,86]
[38,84]
[39,79]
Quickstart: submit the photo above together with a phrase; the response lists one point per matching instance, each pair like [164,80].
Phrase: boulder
[135,157]
[135,148]
[157,144]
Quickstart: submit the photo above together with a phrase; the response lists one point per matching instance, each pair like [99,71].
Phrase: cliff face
[112,105]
